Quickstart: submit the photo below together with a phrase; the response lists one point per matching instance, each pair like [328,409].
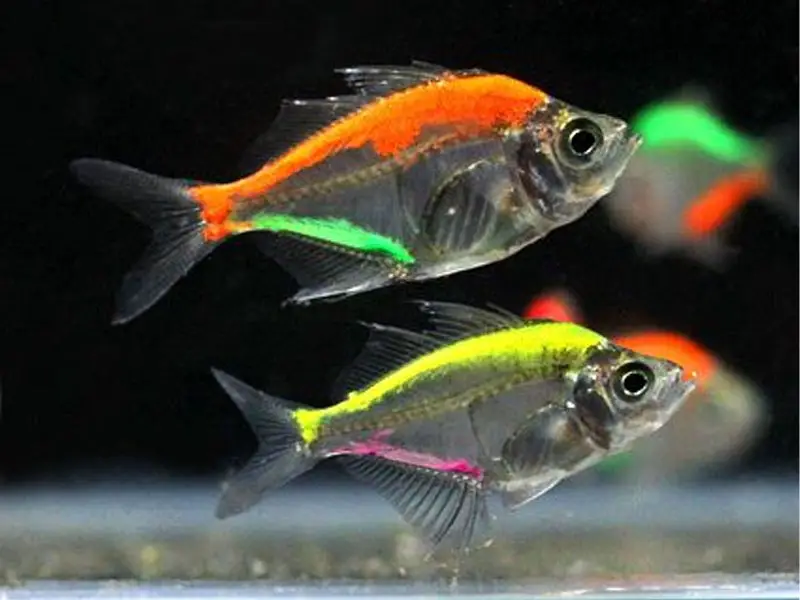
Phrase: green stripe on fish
[671,123]
[334,231]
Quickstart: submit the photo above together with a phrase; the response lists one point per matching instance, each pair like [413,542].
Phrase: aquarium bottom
[709,585]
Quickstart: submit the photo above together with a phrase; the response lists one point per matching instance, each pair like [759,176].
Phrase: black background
[180,88]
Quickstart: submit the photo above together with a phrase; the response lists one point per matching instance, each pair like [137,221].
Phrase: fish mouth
[682,385]
[626,145]
[632,141]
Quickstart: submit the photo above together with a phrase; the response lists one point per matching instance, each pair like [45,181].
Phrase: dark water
[181,89]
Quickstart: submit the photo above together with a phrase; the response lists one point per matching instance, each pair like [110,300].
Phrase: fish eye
[580,139]
[632,380]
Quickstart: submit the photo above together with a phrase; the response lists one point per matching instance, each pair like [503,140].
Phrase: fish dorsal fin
[296,120]
[389,348]
[450,322]
[381,80]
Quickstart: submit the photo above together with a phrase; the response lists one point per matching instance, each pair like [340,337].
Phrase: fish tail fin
[174,216]
[282,452]
[784,156]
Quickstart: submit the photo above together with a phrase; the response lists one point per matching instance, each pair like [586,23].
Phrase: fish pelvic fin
[282,453]
[179,239]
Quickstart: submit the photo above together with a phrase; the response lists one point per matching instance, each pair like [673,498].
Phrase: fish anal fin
[449,509]
[297,119]
[324,270]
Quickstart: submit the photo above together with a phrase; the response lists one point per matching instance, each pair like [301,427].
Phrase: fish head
[569,158]
[620,395]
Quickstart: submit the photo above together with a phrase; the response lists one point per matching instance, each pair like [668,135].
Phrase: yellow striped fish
[479,402]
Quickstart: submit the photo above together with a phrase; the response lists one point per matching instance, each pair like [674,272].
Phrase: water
[731,540]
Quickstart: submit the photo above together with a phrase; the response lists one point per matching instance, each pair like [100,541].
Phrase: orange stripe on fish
[712,209]
[675,347]
[217,231]
[473,104]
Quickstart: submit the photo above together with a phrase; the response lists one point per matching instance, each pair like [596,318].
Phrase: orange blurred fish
[421,172]
[721,419]
[694,174]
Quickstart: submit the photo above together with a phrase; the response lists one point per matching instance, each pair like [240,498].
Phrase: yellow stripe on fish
[530,342]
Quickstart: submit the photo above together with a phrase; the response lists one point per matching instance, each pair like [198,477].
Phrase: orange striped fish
[419,173]
[722,417]
[693,176]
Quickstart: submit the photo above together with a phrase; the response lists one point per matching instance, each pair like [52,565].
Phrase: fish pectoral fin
[461,216]
[324,270]
[446,507]
[514,498]
[174,216]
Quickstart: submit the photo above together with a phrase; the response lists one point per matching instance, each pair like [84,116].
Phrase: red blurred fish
[721,419]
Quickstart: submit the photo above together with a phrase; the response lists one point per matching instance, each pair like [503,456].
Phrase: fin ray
[295,121]
[450,322]
[448,519]
[381,80]
[324,270]
[388,347]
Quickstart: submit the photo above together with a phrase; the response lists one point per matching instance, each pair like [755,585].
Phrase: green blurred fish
[694,175]
[481,402]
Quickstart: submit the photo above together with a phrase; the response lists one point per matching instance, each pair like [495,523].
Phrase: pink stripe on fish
[377,447]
